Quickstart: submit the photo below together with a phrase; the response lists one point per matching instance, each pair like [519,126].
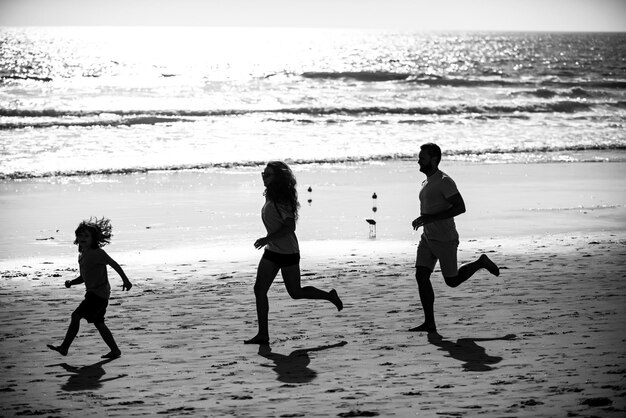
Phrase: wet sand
[543,339]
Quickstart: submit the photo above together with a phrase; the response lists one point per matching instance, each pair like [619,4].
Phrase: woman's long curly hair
[100,230]
[282,189]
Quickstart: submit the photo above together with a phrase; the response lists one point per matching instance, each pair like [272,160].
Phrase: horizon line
[357,28]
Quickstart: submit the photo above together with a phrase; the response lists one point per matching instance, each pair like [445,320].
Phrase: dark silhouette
[440,202]
[294,367]
[282,252]
[86,377]
[473,356]
[91,236]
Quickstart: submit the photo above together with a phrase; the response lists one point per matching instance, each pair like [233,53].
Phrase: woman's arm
[288,227]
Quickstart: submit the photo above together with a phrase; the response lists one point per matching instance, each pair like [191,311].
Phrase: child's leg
[71,333]
[106,335]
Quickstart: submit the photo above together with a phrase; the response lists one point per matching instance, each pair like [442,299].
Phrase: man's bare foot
[424,328]
[258,340]
[489,265]
[113,354]
[334,298]
[59,349]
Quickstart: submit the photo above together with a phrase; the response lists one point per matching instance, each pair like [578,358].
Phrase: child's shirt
[93,270]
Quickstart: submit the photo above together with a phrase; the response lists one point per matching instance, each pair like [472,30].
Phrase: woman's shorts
[92,308]
[282,260]
[429,251]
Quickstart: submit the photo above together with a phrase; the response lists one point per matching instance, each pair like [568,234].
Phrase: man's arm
[457,207]
[70,283]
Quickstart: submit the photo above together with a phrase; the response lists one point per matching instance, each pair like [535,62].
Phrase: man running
[440,202]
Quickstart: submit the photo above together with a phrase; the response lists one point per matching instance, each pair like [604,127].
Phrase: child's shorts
[429,251]
[92,308]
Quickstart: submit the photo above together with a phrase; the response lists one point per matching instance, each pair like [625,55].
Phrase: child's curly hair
[100,230]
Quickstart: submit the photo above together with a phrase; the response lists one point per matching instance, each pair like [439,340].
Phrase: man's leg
[427,297]
[467,270]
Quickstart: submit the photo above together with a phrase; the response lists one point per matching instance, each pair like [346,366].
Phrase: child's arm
[70,283]
[127,284]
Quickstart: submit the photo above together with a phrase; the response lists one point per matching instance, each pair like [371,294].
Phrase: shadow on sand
[85,377]
[294,367]
[473,356]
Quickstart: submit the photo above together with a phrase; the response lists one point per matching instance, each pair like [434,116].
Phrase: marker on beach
[372,222]
[372,227]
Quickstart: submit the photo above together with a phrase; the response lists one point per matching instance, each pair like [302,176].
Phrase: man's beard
[426,168]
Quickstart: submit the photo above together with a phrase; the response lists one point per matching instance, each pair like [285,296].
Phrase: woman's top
[274,216]
[93,270]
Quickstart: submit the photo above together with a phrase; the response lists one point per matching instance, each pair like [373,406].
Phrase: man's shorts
[429,251]
[92,308]
[282,260]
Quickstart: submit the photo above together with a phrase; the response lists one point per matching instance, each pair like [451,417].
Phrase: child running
[91,236]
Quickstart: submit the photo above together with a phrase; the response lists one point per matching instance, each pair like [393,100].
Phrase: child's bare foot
[59,349]
[113,354]
[489,265]
[258,339]
[425,328]
[334,298]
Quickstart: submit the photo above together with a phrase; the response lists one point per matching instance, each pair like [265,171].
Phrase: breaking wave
[17,119]
[530,154]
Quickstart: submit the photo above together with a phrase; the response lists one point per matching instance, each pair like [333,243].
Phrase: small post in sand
[372,227]
[372,222]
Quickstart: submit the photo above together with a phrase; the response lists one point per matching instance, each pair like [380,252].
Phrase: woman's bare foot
[258,339]
[113,354]
[334,298]
[425,328]
[59,349]
[489,265]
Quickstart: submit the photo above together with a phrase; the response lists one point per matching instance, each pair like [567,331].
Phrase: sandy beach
[544,339]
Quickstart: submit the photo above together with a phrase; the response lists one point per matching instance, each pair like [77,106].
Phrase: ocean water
[115,100]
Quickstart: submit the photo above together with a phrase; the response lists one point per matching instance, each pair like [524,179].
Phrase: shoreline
[221,208]
[544,338]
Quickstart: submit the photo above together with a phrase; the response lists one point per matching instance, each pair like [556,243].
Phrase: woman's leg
[291,278]
[265,275]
